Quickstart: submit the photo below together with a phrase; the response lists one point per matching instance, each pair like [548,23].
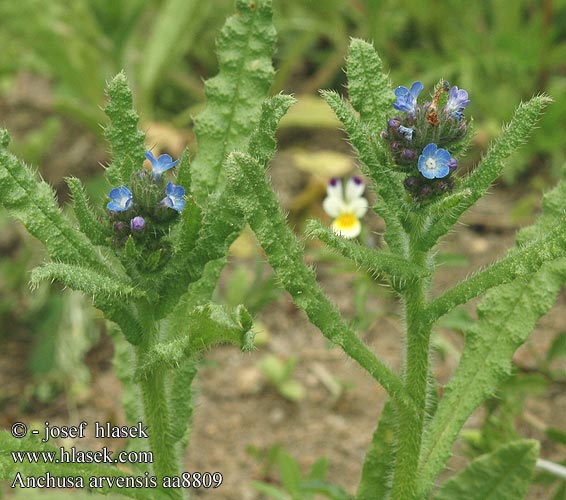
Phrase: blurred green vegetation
[501,51]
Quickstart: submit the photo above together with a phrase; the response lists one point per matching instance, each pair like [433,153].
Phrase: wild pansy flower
[407,99]
[161,164]
[457,101]
[137,223]
[121,199]
[175,197]
[434,162]
[347,206]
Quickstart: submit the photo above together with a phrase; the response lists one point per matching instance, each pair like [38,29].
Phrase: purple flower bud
[408,154]
[334,181]
[384,135]
[410,183]
[137,223]
[118,226]
[394,146]
[452,164]
[426,191]
[393,123]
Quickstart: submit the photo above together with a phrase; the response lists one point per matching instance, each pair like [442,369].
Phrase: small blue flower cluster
[419,137]
[145,210]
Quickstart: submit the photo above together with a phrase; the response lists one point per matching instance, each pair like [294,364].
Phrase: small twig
[555,469]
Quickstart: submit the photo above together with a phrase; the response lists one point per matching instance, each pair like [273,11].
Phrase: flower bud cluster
[146,209]
[420,136]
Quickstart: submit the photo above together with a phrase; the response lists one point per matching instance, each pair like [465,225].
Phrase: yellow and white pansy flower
[347,205]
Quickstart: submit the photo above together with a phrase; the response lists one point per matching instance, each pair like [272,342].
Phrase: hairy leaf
[182,401]
[85,280]
[126,141]
[33,203]
[507,315]
[380,458]
[518,263]
[202,256]
[184,176]
[376,262]
[501,475]
[262,142]
[245,47]
[89,220]
[490,167]
[368,86]
[209,325]
[553,211]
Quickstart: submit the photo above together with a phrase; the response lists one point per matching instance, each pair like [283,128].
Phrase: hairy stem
[410,426]
[157,417]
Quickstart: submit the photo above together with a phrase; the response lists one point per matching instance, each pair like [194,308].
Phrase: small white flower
[347,206]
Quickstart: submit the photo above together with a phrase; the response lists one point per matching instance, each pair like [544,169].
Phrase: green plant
[138,258]
[296,487]
[280,374]
[152,260]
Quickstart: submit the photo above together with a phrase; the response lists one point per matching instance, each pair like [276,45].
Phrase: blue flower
[407,99]
[175,197]
[162,164]
[457,101]
[121,199]
[434,162]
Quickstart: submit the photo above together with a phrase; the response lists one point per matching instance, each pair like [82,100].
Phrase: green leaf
[33,203]
[501,475]
[507,315]
[519,263]
[182,401]
[318,470]
[368,86]
[380,458]
[184,176]
[553,210]
[262,142]
[491,166]
[290,473]
[126,141]
[328,490]
[270,490]
[208,326]
[90,222]
[202,258]
[376,262]
[234,97]
[85,280]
